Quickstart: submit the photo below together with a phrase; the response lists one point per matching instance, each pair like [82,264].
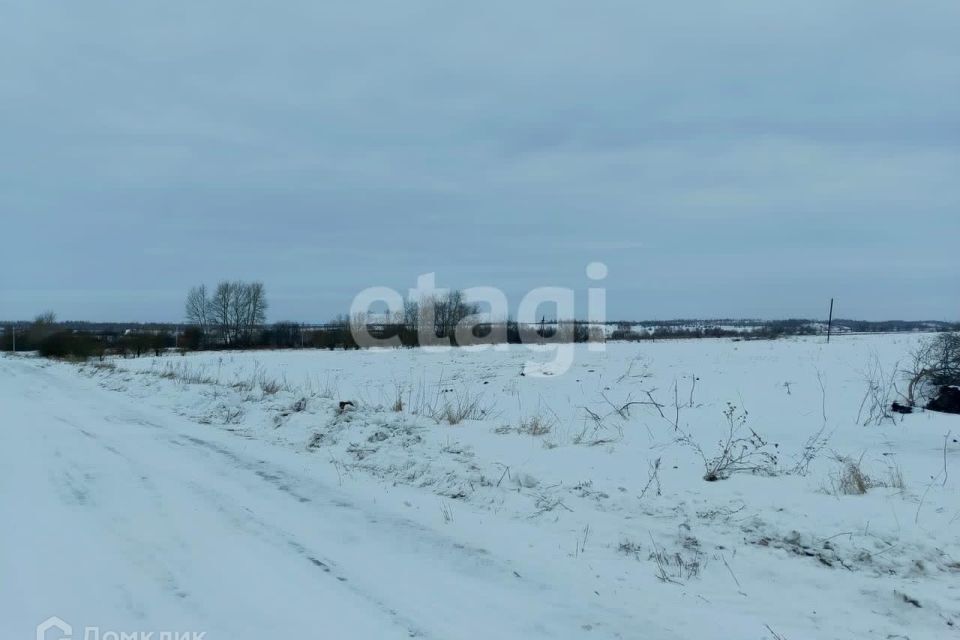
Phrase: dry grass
[269,386]
[678,566]
[185,374]
[535,425]
[462,406]
[853,480]
[895,478]
[398,404]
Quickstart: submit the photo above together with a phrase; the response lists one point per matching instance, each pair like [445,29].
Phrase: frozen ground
[228,493]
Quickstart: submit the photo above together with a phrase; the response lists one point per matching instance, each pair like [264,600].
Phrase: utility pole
[13,329]
[830,321]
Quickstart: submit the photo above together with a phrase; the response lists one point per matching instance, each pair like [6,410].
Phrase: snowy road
[126,518]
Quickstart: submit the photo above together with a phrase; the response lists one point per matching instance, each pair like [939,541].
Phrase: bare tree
[45,318]
[221,305]
[198,308]
[43,325]
[234,311]
[411,314]
[448,310]
[256,298]
[239,305]
[936,362]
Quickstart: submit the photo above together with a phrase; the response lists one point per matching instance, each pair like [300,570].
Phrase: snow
[228,493]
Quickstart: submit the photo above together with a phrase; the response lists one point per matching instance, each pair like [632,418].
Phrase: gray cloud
[724,160]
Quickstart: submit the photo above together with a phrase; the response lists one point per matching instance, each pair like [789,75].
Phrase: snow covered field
[229,493]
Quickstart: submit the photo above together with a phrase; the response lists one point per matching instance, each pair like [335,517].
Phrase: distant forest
[88,339]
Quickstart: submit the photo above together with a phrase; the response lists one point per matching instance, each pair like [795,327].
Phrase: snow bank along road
[123,518]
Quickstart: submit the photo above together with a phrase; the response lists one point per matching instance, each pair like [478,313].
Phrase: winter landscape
[526,319]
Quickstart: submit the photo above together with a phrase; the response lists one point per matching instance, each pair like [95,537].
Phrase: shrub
[64,344]
[740,450]
[193,339]
[936,363]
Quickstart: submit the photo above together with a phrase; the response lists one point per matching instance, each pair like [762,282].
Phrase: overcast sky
[737,159]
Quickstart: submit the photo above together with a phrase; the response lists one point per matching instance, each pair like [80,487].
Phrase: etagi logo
[440,316]
[61,630]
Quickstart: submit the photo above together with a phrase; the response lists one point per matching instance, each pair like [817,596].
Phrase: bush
[740,450]
[64,344]
[193,339]
[936,363]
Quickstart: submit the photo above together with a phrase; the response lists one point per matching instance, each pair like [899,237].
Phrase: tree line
[53,339]
[233,315]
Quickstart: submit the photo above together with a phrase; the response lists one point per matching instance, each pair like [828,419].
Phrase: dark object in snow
[947,400]
[908,599]
[344,404]
[896,407]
